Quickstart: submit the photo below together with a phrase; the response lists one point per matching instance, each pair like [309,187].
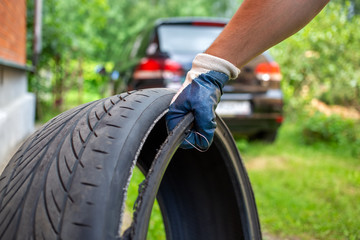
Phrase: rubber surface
[150,186]
[69,179]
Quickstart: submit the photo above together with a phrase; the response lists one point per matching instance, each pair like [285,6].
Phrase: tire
[268,136]
[69,179]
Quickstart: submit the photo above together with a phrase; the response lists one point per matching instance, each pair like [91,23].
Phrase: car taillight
[208,24]
[173,68]
[158,68]
[149,64]
[279,119]
[268,71]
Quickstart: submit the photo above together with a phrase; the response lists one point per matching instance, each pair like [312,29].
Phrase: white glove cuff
[204,63]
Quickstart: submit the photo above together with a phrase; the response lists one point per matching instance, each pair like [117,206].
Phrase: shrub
[333,129]
[323,59]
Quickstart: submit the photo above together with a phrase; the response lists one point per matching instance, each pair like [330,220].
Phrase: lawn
[302,191]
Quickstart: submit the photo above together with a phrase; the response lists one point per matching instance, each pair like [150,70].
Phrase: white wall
[17,110]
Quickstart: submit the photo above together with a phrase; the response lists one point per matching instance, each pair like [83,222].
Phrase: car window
[186,38]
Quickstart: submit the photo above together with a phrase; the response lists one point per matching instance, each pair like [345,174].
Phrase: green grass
[311,192]
[156,226]
[301,191]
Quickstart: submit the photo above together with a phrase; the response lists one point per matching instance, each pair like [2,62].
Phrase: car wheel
[69,180]
[269,136]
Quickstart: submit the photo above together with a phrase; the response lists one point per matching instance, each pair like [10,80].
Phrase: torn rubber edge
[134,161]
[149,187]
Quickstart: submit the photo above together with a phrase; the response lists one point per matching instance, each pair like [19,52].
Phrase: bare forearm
[260,24]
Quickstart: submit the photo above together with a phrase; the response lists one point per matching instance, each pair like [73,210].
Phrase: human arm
[255,27]
[260,24]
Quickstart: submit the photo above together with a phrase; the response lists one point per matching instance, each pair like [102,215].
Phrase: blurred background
[307,182]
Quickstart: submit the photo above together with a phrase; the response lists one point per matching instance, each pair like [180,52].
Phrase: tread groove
[73,146]
[96,115]
[24,167]
[32,155]
[59,175]
[70,198]
[54,199]
[3,220]
[141,94]
[82,225]
[12,195]
[30,175]
[7,226]
[67,165]
[48,213]
[79,162]
[14,185]
[100,151]
[81,138]
[42,150]
[113,125]
[125,107]
[104,107]
[50,131]
[89,184]
[89,124]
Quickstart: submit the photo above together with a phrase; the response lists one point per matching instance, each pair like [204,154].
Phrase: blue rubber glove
[200,94]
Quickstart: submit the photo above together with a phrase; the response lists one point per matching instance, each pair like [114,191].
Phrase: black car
[251,104]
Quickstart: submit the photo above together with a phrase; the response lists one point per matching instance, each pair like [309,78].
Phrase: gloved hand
[200,94]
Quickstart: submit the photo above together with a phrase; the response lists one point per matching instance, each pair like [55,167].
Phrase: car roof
[189,20]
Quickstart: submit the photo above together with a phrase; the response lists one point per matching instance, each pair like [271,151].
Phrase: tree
[76,33]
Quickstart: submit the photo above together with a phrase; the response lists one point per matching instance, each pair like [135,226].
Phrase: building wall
[13,30]
[17,111]
[17,105]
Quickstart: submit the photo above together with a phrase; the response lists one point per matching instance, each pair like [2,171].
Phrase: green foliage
[305,191]
[242,144]
[156,226]
[322,59]
[332,129]
[353,6]
[77,34]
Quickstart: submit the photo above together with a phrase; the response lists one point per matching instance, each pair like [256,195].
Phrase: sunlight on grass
[302,191]
[156,226]
[305,191]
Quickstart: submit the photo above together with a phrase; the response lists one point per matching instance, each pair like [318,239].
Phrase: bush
[322,59]
[332,129]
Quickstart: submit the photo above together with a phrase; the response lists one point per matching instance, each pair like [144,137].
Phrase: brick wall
[13,30]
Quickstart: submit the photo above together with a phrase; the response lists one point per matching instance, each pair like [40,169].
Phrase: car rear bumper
[253,124]
[265,115]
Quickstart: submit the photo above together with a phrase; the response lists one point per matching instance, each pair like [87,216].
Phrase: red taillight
[157,68]
[279,119]
[268,71]
[208,24]
[170,65]
[269,67]
[149,64]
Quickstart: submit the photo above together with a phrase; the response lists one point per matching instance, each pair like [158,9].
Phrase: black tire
[69,179]
[269,136]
